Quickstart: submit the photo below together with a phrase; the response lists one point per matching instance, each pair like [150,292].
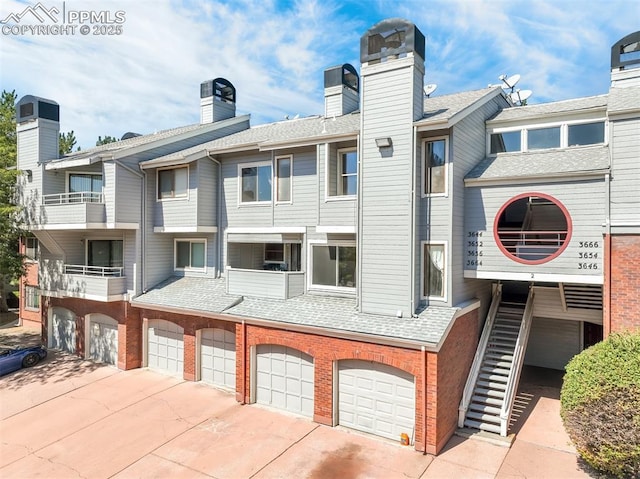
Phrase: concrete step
[484,409]
[496,363]
[498,378]
[482,426]
[488,392]
[494,370]
[498,356]
[494,348]
[493,385]
[492,401]
[478,416]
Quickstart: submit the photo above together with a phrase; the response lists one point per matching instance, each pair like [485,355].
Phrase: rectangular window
[105,253]
[347,173]
[255,183]
[435,165]
[31,297]
[542,138]
[190,254]
[32,247]
[274,252]
[283,173]
[80,182]
[334,266]
[433,272]
[173,183]
[586,134]
[507,141]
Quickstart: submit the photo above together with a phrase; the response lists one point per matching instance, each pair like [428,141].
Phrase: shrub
[600,404]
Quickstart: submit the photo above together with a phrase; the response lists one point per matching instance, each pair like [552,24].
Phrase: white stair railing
[467,394]
[516,367]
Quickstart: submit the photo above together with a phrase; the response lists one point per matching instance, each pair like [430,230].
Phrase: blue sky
[274,52]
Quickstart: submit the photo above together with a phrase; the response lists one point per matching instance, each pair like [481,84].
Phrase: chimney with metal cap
[217,100]
[341,90]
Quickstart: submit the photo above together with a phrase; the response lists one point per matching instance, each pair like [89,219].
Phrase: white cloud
[275,52]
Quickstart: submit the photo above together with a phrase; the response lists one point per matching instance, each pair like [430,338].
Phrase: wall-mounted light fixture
[383,142]
[29,174]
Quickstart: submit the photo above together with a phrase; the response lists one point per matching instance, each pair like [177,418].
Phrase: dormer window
[586,134]
[543,138]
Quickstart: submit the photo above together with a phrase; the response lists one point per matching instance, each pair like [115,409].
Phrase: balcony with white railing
[75,208]
[265,283]
[82,281]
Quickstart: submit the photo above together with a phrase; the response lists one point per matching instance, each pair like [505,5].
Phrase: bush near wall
[600,404]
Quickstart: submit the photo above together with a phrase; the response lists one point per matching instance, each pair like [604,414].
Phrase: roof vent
[129,134]
[626,52]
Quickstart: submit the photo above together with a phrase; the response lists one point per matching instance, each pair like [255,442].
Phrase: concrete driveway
[68,418]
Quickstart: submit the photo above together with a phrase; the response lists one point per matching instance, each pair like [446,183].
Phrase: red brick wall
[190,324]
[325,351]
[129,326]
[29,317]
[624,283]
[454,361]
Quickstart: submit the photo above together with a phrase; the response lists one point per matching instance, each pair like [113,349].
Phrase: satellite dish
[511,81]
[520,96]
[430,88]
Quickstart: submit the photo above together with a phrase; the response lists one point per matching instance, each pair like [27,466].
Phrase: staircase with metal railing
[487,401]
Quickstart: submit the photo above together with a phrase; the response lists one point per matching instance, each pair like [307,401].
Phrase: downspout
[424,399]
[359,219]
[143,188]
[412,228]
[143,233]
[219,214]
[244,363]
[607,257]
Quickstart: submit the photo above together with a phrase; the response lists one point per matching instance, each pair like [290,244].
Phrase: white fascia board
[125,152]
[544,277]
[72,163]
[309,141]
[267,229]
[551,178]
[336,229]
[185,229]
[85,226]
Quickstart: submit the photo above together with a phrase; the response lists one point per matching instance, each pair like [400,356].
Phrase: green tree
[105,140]
[11,261]
[67,142]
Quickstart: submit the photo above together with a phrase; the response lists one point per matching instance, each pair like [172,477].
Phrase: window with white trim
[173,183]
[31,297]
[190,254]
[433,270]
[32,248]
[85,182]
[105,253]
[333,266]
[283,178]
[342,172]
[255,183]
[435,167]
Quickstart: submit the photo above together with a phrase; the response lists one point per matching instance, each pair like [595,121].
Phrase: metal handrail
[516,366]
[85,270]
[72,198]
[467,394]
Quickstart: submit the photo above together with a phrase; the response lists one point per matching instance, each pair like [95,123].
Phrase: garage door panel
[63,330]
[284,379]
[376,398]
[103,339]
[165,347]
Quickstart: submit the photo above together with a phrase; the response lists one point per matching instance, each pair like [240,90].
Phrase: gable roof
[542,164]
[545,110]
[446,110]
[133,145]
[289,133]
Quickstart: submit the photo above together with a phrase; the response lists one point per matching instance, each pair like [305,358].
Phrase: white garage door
[376,398]
[103,339]
[285,379]
[218,357]
[552,343]
[62,333]
[165,347]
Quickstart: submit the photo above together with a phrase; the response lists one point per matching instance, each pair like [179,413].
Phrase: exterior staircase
[488,397]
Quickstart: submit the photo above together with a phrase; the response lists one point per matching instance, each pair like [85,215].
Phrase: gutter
[219,215]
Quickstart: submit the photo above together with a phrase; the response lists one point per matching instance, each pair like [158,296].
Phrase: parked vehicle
[12,359]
